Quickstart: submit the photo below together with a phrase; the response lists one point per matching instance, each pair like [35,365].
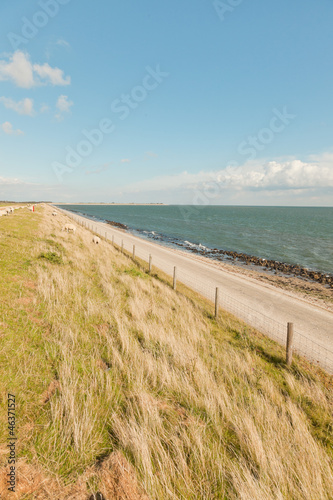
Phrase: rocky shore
[278,267]
[117,224]
[222,255]
[273,265]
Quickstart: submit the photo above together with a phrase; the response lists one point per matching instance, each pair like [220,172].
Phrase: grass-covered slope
[110,366]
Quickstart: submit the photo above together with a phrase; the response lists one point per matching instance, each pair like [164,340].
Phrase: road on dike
[261,305]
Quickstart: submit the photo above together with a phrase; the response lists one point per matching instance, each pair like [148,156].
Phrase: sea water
[294,235]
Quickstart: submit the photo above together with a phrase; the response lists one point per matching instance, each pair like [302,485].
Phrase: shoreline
[282,275]
[313,293]
[309,291]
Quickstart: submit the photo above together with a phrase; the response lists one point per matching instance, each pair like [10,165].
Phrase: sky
[183,102]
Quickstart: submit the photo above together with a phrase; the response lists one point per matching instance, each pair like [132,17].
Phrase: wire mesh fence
[302,344]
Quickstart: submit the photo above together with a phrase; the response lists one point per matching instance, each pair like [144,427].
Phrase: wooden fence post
[290,336]
[122,246]
[106,238]
[112,240]
[216,302]
[150,261]
[174,278]
[133,252]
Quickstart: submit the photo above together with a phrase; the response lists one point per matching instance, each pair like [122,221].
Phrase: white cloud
[13,188]
[292,174]
[63,105]
[24,107]
[23,73]
[9,181]
[19,70]
[55,76]
[325,159]
[125,160]
[62,43]
[252,176]
[44,108]
[8,129]
[151,154]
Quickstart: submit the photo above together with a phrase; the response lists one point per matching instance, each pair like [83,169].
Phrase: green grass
[104,357]
[52,257]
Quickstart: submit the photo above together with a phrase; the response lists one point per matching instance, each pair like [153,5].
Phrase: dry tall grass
[201,409]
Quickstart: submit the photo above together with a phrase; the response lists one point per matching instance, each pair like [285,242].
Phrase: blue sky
[201,101]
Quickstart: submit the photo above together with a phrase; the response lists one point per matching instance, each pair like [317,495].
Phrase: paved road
[263,306]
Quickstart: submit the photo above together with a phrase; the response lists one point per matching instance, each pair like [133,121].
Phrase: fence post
[150,259]
[106,238]
[216,302]
[112,240]
[122,246]
[133,252]
[174,278]
[290,336]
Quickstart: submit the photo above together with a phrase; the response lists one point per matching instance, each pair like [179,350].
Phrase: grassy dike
[124,386]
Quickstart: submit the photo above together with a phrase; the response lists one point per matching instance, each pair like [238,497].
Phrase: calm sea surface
[294,235]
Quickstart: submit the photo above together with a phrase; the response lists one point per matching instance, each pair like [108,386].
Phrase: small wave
[195,245]
[203,247]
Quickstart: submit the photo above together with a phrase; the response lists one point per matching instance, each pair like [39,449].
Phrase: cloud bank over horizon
[254,178]
[255,182]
